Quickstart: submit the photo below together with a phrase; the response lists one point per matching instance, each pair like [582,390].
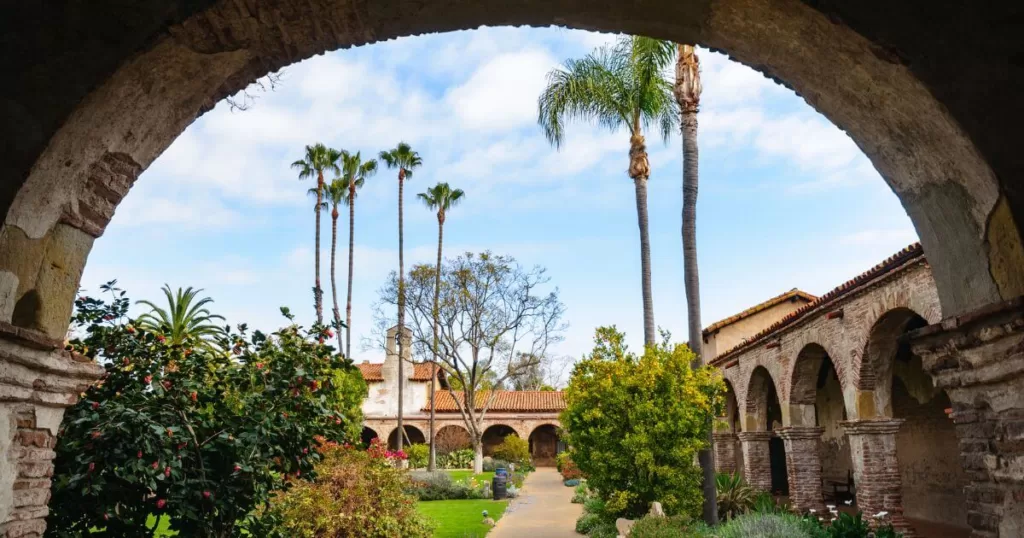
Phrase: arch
[883,348]
[97,127]
[452,437]
[494,435]
[732,410]
[545,444]
[413,435]
[812,369]
[368,435]
[762,403]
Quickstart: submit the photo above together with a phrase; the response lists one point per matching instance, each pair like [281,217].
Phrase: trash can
[499,485]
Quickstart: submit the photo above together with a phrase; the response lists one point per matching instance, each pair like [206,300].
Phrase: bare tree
[495,322]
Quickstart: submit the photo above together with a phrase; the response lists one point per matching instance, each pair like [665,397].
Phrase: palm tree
[404,159]
[355,172]
[335,193]
[317,160]
[183,319]
[619,86]
[441,197]
[687,90]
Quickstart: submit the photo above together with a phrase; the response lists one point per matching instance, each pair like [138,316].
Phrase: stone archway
[545,444]
[368,435]
[451,438]
[494,435]
[413,436]
[728,454]
[88,115]
[764,454]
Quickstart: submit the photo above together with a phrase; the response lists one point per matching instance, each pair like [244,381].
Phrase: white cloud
[197,213]
[896,237]
[502,93]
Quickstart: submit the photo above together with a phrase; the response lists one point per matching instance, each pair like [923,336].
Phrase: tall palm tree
[184,317]
[335,193]
[687,90]
[354,175]
[317,160]
[405,160]
[622,86]
[441,198]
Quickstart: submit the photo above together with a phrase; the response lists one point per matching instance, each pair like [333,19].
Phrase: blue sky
[787,199]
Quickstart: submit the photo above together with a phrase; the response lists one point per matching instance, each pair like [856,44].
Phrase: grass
[462,475]
[461,519]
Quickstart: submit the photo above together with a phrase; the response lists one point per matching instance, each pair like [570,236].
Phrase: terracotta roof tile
[524,401]
[375,371]
[793,293]
[891,263]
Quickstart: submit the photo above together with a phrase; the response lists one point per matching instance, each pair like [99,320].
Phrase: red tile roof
[374,371]
[779,299]
[912,253]
[522,401]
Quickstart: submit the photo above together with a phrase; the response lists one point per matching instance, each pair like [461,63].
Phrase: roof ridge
[885,266]
[759,307]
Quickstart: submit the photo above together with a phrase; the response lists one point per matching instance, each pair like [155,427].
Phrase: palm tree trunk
[639,170]
[705,457]
[401,308]
[317,294]
[334,280]
[437,295]
[351,254]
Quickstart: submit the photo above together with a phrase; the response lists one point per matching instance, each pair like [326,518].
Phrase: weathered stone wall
[835,448]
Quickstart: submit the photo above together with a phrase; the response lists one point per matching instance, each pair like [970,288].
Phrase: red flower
[166,384]
[156,464]
[194,396]
[92,467]
[259,365]
[238,468]
[285,415]
[96,434]
[140,454]
[161,338]
[130,329]
[160,504]
[329,333]
[167,472]
[206,494]
[148,379]
[95,405]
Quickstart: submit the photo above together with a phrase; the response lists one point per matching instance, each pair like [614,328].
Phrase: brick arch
[732,408]
[803,383]
[877,359]
[759,388]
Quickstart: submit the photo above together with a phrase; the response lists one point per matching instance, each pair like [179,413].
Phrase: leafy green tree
[440,198]
[317,160]
[405,160]
[355,173]
[635,424]
[623,86]
[184,317]
[200,436]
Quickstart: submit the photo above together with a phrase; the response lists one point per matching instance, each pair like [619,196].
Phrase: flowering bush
[635,424]
[356,494]
[568,468]
[514,449]
[201,434]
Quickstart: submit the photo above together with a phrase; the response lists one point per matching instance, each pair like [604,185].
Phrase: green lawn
[461,475]
[461,519]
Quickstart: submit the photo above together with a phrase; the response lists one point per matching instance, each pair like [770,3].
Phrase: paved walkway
[543,509]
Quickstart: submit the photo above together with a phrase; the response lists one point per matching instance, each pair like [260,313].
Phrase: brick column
[876,469]
[757,468]
[725,452]
[803,467]
[978,358]
[37,381]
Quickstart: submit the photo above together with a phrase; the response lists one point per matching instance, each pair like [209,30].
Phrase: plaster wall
[728,337]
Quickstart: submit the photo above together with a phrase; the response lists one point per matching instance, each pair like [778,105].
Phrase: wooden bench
[837,489]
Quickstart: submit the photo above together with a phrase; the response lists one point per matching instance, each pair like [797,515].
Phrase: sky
[787,200]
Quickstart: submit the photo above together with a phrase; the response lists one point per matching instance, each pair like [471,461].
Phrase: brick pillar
[803,467]
[757,469]
[38,381]
[978,358]
[725,452]
[876,469]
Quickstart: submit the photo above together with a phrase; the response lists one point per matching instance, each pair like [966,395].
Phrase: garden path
[543,509]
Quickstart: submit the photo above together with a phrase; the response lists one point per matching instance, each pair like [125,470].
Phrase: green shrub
[436,486]
[766,525]
[581,494]
[734,495]
[514,449]
[560,460]
[587,522]
[517,478]
[456,459]
[604,530]
[663,527]
[195,429]
[418,455]
[492,464]
[636,423]
[847,526]
[357,494]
